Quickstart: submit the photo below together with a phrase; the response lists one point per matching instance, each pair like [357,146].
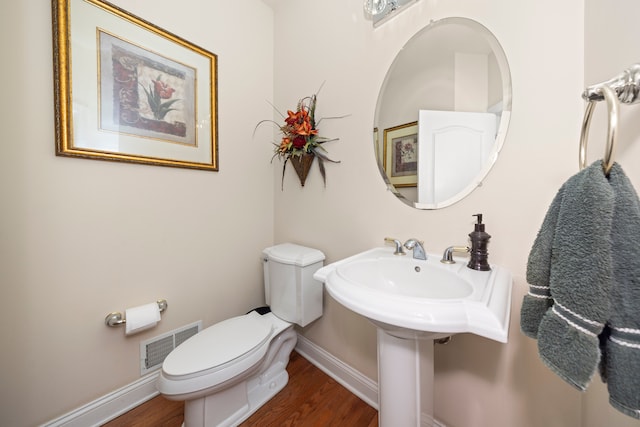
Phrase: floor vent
[155,350]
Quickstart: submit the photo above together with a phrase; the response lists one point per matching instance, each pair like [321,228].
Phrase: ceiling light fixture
[375,7]
[381,10]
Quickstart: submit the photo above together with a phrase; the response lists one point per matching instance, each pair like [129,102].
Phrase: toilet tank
[290,289]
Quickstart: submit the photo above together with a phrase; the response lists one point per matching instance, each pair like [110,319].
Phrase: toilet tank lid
[289,253]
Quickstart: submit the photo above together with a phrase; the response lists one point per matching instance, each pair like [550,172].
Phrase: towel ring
[612,129]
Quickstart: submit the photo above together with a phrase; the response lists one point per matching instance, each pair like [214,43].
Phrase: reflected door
[453,146]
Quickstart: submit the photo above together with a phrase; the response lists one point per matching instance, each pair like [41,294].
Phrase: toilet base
[233,405]
[254,396]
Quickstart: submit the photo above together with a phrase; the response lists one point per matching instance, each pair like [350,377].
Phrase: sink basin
[406,296]
[406,278]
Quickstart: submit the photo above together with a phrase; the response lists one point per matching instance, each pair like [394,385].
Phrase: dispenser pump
[479,243]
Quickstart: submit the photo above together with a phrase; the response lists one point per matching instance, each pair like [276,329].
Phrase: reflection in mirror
[442,113]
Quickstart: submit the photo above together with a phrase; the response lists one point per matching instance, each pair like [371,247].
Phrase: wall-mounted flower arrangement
[300,142]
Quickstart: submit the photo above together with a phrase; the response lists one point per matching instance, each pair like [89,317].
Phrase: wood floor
[310,399]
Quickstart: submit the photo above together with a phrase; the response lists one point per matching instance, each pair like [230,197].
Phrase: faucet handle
[447,256]
[399,250]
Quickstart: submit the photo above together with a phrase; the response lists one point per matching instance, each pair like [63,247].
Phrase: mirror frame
[505,74]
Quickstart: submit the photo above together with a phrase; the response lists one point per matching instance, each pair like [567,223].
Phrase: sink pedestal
[405,380]
[413,302]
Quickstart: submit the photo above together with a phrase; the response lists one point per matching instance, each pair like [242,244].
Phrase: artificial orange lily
[304,128]
[285,144]
[292,118]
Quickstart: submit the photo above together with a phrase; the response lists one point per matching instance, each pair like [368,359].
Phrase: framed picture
[401,154]
[127,90]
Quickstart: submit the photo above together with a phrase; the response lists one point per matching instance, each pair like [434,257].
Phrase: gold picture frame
[127,90]
[377,146]
[401,154]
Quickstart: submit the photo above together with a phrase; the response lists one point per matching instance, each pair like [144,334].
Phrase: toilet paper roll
[141,318]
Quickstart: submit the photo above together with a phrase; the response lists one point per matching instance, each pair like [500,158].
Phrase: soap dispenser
[479,242]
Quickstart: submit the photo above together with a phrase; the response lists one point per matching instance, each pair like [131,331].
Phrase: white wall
[81,238]
[479,383]
[611,45]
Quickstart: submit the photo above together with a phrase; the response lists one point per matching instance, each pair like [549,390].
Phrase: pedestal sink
[412,300]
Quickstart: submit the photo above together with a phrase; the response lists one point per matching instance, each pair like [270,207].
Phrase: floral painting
[129,91]
[145,94]
[400,154]
[405,155]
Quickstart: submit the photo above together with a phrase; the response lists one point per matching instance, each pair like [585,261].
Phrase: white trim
[575,325]
[116,403]
[584,319]
[351,379]
[624,343]
[539,296]
[111,405]
[427,420]
[628,330]
[540,287]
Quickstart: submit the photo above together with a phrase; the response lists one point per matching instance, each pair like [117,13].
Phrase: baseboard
[429,421]
[353,380]
[132,395]
[111,405]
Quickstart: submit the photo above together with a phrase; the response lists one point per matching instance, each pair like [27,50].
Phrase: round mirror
[442,113]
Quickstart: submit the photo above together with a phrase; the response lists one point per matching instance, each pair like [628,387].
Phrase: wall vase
[302,165]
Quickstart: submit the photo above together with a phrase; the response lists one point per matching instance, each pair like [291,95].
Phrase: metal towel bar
[612,129]
[624,88]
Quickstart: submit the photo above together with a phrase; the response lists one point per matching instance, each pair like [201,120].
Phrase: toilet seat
[217,354]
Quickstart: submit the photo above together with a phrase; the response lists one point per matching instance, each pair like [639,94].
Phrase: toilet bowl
[230,369]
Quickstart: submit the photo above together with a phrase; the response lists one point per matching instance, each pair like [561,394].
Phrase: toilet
[230,369]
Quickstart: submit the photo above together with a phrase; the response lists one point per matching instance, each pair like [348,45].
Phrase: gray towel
[621,355]
[536,303]
[576,253]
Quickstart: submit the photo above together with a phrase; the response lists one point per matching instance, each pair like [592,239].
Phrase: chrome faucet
[416,246]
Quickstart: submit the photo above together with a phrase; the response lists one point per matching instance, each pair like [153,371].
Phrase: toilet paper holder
[115,318]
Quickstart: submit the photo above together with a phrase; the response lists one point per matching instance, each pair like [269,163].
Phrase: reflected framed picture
[377,145]
[401,154]
[127,90]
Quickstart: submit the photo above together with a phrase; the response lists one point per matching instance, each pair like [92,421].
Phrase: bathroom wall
[611,45]
[554,50]
[81,238]
[479,383]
